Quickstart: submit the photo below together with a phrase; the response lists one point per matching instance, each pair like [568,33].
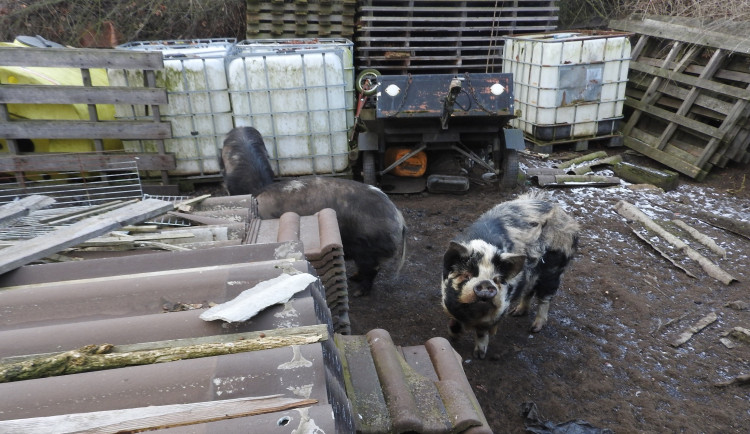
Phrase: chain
[473,94]
[403,101]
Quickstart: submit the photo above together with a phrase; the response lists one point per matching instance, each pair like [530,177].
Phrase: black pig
[244,162]
[372,228]
[515,251]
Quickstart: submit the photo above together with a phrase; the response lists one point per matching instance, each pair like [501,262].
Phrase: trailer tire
[368,168]
[509,177]
[366,74]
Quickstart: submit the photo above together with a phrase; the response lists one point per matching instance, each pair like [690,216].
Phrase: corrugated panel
[130,301]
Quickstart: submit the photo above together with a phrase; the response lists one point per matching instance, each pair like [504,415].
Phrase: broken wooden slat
[60,239]
[701,238]
[700,325]
[664,179]
[629,211]
[157,417]
[22,207]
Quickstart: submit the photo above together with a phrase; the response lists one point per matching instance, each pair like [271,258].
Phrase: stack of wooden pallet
[688,94]
[447,37]
[280,19]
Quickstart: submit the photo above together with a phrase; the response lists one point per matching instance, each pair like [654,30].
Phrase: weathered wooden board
[81,58]
[45,129]
[22,207]
[39,247]
[157,417]
[33,94]
[84,162]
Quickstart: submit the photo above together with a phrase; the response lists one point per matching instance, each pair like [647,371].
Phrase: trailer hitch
[453,90]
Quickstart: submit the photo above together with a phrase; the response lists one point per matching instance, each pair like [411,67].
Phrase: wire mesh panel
[115,181]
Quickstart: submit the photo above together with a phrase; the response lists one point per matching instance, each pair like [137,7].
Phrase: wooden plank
[675,118]
[22,207]
[663,157]
[33,94]
[84,162]
[157,416]
[81,58]
[70,129]
[60,239]
[724,89]
[685,30]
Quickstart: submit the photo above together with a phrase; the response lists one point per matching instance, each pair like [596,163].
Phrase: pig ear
[511,264]
[454,254]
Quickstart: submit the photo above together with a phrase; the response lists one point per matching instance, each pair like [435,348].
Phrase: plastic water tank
[568,85]
[199,107]
[300,95]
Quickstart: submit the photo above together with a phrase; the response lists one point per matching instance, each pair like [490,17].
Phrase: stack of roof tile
[421,389]
[318,233]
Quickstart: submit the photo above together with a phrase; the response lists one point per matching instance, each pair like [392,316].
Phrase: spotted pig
[513,252]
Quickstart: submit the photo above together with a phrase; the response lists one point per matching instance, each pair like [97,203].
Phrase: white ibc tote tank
[568,85]
[199,107]
[300,96]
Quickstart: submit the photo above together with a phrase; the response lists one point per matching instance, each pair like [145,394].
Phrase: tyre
[509,166]
[368,168]
[369,77]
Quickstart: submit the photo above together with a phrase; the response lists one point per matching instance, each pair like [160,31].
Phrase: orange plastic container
[414,166]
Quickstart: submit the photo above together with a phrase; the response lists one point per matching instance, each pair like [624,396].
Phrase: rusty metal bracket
[453,90]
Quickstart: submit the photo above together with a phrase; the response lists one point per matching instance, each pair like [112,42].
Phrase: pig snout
[485,290]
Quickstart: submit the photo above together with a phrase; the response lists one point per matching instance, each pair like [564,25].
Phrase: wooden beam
[71,129]
[33,94]
[69,236]
[81,58]
[685,30]
[52,162]
[158,417]
[22,207]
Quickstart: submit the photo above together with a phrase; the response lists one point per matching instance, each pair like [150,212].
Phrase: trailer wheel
[368,167]
[509,177]
[366,82]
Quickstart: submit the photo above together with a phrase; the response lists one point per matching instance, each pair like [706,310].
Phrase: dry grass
[706,10]
[65,21]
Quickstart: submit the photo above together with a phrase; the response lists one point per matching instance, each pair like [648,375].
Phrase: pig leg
[523,305]
[366,272]
[481,341]
[455,328]
[541,314]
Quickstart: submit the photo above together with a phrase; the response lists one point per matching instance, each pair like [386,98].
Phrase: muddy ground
[605,356]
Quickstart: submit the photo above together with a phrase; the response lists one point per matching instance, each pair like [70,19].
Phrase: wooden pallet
[17,131]
[278,19]
[447,37]
[688,95]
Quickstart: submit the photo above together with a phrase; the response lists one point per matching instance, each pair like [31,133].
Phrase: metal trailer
[466,114]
